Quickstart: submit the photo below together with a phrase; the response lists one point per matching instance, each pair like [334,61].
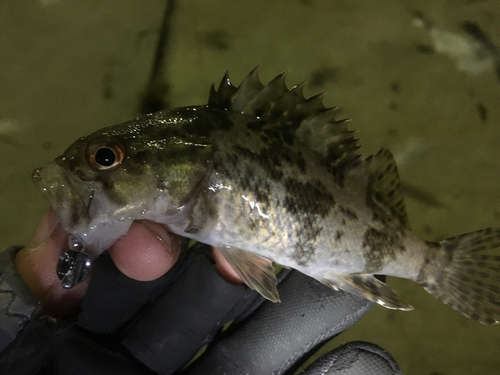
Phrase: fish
[267,176]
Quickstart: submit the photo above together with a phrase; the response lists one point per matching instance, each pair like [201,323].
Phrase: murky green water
[67,68]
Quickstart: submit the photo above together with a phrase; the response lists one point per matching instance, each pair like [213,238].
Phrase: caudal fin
[467,277]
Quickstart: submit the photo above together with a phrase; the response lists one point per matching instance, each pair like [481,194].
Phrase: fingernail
[44,229]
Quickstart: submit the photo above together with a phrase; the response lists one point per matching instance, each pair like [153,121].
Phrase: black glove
[124,326]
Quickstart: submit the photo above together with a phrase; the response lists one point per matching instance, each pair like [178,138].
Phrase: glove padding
[123,326]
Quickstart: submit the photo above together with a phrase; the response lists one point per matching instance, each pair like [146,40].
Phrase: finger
[113,299]
[37,265]
[355,358]
[192,308]
[279,336]
[147,252]
[225,268]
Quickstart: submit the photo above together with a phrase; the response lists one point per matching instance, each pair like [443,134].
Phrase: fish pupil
[105,157]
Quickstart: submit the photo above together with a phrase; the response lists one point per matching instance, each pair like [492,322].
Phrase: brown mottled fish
[266,175]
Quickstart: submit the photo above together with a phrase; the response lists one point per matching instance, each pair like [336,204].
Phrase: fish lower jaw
[99,237]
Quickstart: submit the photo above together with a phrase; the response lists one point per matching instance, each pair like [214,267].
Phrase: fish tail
[465,274]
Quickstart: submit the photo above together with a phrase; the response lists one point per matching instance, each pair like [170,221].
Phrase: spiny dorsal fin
[291,114]
[383,183]
[222,97]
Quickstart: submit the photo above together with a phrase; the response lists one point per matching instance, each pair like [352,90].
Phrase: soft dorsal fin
[289,113]
[383,183]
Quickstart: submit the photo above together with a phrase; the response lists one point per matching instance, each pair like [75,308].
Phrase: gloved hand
[125,326]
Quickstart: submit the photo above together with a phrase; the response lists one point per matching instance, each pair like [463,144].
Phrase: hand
[164,322]
[159,252]
[37,262]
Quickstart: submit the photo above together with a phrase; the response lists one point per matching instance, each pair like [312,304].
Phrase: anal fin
[367,286]
[256,272]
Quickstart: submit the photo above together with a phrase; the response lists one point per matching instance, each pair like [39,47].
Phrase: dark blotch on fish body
[379,246]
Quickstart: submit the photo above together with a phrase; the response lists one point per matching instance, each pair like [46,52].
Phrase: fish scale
[266,175]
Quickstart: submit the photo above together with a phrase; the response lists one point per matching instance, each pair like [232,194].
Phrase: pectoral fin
[255,271]
[203,216]
[367,286]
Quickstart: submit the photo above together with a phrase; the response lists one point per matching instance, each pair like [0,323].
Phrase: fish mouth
[69,204]
[81,208]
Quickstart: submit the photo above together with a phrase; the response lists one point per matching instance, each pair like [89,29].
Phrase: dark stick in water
[155,97]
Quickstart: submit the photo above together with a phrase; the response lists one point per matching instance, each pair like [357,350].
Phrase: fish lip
[62,194]
[69,196]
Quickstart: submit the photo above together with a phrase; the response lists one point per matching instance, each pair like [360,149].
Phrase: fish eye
[104,157]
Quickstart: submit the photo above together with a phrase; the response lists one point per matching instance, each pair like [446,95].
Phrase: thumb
[37,265]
